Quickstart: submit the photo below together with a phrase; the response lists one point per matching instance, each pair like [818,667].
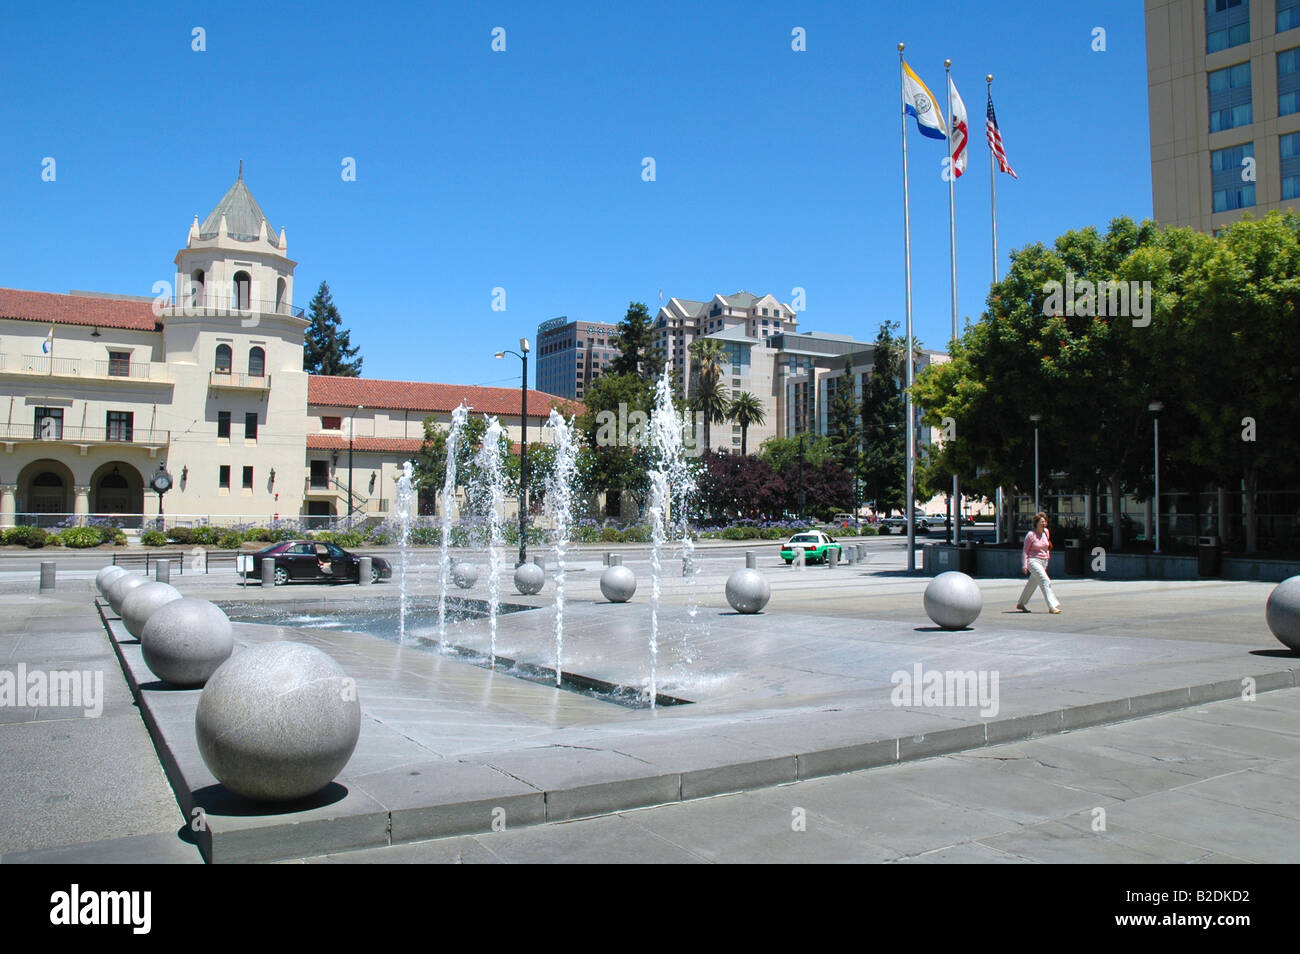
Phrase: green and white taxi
[814,545]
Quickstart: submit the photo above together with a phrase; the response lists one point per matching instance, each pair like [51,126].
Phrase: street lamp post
[1036,418]
[1155,407]
[523,448]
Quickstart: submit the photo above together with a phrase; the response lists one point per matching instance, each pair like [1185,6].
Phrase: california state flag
[960,132]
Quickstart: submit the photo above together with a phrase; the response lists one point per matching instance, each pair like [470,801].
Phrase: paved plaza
[792,742]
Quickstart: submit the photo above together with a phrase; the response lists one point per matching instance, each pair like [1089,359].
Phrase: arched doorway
[44,493]
[118,489]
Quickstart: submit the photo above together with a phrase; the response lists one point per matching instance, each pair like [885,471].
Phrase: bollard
[609,558]
[616,559]
[162,571]
[688,568]
[365,565]
[540,561]
[268,571]
[47,575]
[832,559]
[751,560]
[800,558]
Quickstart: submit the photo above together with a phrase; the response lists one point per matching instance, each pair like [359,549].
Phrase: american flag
[995,142]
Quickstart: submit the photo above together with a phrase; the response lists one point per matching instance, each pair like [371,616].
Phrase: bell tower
[234,261]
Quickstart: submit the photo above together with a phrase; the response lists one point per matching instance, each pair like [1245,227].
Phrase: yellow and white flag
[921,105]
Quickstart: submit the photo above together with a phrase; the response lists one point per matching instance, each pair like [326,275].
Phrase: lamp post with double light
[523,447]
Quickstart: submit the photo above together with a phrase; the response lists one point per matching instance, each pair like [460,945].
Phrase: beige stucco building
[1223,87]
[100,392]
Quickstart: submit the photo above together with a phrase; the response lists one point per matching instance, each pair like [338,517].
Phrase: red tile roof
[77,310]
[330,391]
[383,445]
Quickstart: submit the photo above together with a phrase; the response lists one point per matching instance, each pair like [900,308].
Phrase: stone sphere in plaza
[748,591]
[107,575]
[1282,612]
[184,641]
[278,721]
[464,575]
[953,600]
[617,584]
[120,587]
[529,578]
[142,602]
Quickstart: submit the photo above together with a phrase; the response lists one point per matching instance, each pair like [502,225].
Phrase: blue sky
[522,169]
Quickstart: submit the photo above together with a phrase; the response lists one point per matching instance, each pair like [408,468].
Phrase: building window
[119,425]
[248,478]
[1289,147]
[49,423]
[240,291]
[250,426]
[256,362]
[1288,15]
[222,365]
[223,425]
[119,364]
[223,476]
[1230,98]
[320,473]
[1227,23]
[1230,191]
[1288,82]
[331,423]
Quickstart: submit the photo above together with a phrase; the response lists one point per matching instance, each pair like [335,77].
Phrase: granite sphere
[617,584]
[184,641]
[278,721]
[1282,612]
[120,587]
[953,600]
[464,575]
[529,578]
[142,602]
[107,575]
[748,591]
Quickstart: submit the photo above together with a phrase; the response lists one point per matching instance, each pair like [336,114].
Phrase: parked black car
[309,561]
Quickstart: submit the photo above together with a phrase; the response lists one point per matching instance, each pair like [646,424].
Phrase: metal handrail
[221,305]
[106,435]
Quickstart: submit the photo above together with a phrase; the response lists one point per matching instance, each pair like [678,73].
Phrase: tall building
[572,354]
[1223,80]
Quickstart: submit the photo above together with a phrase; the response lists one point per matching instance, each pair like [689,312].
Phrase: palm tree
[710,398]
[745,410]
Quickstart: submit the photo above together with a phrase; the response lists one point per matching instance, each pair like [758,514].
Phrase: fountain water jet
[559,502]
[405,498]
[458,418]
[491,490]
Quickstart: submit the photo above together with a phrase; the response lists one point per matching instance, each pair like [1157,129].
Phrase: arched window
[256,362]
[223,359]
[281,286]
[243,286]
[196,287]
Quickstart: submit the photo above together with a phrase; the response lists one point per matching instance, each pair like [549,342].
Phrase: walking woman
[1038,550]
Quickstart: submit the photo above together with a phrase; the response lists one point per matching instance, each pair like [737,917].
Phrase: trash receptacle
[966,558]
[1074,562]
[1209,556]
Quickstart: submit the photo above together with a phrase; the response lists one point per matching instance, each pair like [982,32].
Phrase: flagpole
[907,297]
[993,197]
[952,254]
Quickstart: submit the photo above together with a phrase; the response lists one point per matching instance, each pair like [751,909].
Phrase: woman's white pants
[1038,577]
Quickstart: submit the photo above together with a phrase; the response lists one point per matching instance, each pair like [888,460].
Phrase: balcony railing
[220,306]
[41,364]
[228,379]
[154,437]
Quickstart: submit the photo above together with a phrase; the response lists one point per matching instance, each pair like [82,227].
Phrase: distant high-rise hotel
[572,354]
[1223,80]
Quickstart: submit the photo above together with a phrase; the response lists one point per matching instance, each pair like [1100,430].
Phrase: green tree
[842,417]
[710,399]
[746,409]
[884,457]
[637,352]
[327,346]
[613,433]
